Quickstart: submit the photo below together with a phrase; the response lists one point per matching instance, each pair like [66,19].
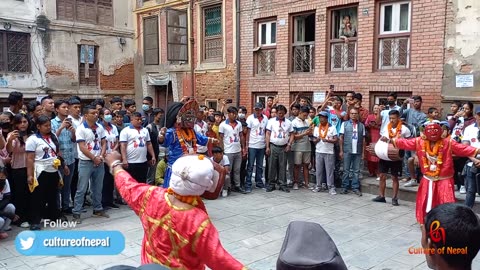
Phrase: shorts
[300,158]
[395,168]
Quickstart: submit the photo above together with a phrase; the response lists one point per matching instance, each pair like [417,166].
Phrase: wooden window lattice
[89,11]
[14,52]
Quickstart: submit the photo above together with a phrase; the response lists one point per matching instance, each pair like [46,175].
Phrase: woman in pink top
[18,178]
[373,129]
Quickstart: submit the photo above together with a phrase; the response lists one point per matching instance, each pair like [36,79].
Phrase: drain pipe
[192,44]
[237,51]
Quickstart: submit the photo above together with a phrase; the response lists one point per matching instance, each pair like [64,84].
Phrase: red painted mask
[433,132]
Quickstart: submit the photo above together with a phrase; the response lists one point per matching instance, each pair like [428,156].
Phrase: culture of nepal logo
[438,235]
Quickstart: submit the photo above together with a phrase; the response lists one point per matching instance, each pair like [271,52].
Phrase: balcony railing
[266,61]
[394,53]
[343,56]
[303,57]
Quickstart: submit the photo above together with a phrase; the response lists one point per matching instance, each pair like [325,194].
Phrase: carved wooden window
[88,11]
[88,65]
[150,41]
[14,52]
[212,34]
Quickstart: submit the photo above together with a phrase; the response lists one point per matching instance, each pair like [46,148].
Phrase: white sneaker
[295,186]
[332,191]
[224,193]
[25,225]
[411,183]
[463,190]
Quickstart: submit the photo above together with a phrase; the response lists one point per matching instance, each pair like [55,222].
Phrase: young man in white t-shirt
[221,159]
[301,147]
[395,168]
[91,146]
[325,138]
[255,141]
[233,141]
[278,139]
[471,136]
[135,144]
[201,127]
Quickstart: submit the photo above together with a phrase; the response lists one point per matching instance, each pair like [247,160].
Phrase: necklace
[431,166]
[192,200]
[323,130]
[397,131]
[187,140]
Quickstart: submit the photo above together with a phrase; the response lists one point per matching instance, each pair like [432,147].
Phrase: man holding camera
[62,127]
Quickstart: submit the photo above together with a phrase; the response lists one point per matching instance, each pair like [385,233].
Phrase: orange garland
[323,128]
[436,152]
[397,131]
[189,136]
[192,200]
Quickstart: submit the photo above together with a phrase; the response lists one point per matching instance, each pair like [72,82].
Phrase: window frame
[256,96]
[178,27]
[4,49]
[96,50]
[203,58]
[268,35]
[157,62]
[209,102]
[331,38]
[97,21]
[293,42]
[259,47]
[375,97]
[380,35]
[395,17]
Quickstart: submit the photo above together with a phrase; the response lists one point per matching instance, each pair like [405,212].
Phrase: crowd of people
[53,151]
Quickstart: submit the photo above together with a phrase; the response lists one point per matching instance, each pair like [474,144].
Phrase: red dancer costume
[434,150]
[178,231]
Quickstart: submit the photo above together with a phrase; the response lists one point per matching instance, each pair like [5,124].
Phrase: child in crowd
[7,210]
[433,114]
[211,134]
[160,172]
[221,159]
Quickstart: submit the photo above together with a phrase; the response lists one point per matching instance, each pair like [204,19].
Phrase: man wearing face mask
[242,118]
[147,111]
[383,115]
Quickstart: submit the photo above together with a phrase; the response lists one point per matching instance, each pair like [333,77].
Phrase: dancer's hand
[113,156]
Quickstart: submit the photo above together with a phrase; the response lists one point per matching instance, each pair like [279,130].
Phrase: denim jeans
[471,186]
[87,171]
[255,156]
[67,182]
[406,171]
[351,169]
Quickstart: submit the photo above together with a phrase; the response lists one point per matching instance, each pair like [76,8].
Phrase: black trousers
[138,171]
[73,185]
[458,165]
[43,202]
[20,193]
[107,191]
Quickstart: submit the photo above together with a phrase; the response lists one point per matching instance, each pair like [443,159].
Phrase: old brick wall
[426,60]
[121,79]
[215,85]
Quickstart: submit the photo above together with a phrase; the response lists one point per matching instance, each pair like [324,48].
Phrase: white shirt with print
[231,136]
[111,137]
[257,131]
[470,134]
[136,140]
[45,152]
[201,128]
[279,131]
[92,138]
[325,147]
[354,136]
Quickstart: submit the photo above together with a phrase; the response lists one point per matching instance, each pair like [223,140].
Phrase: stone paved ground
[252,227]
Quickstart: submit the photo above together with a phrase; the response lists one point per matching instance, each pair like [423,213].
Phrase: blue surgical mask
[107,118]
[145,107]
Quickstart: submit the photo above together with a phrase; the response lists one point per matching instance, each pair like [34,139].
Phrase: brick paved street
[252,227]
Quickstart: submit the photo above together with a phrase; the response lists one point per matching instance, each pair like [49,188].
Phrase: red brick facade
[423,77]
[121,79]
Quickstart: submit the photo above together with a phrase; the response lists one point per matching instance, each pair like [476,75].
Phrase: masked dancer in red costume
[178,231]
[434,150]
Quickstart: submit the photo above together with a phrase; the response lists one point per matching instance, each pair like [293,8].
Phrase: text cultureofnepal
[82,242]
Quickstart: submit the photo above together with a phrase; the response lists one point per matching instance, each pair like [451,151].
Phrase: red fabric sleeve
[463,150]
[406,144]
[131,191]
[208,247]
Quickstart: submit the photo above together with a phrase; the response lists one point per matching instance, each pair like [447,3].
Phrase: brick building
[299,46]
[66,47]
[185,48]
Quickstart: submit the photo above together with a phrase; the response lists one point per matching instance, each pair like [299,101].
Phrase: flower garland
[186,136]
[433,170]
[192,200]
[397,131]
[323,128]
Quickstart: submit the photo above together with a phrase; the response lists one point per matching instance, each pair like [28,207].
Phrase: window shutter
[105,12]
[2,56]
[65,10]
[18,49]
[86,11]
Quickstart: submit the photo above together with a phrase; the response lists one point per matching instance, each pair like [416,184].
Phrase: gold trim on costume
[145,200]
[199,232]
[167,199]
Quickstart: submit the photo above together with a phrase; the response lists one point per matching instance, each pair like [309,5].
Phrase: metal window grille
[343,56]
[394,53]
[213,40]
[14,52]
[303,57]
[266,61]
